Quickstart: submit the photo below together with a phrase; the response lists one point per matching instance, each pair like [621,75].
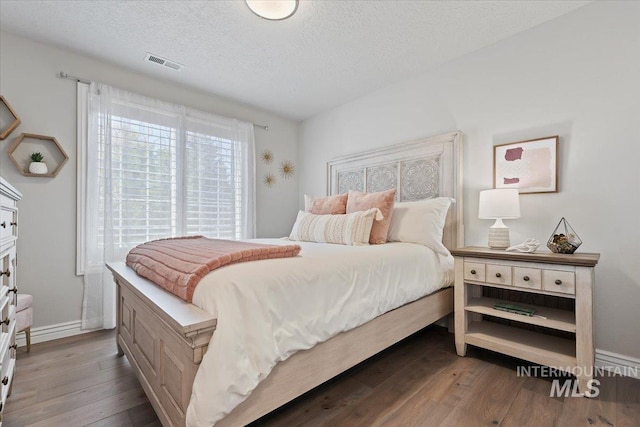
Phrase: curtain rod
[64,75]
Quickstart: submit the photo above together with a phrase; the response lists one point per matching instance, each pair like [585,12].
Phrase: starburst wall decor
[287,169]
[269,180]
[266,156]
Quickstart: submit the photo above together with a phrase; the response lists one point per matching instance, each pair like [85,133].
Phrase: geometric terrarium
[563,240]
[9,120]
[28,144]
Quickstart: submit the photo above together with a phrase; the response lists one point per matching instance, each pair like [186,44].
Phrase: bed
[166,339]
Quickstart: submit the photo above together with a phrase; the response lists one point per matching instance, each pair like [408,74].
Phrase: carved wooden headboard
[421,169]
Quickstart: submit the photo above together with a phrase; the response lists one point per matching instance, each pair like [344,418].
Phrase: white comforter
[267,310]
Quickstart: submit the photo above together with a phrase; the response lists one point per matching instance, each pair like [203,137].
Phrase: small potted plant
[37,165]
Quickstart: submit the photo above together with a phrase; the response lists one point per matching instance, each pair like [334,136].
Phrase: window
[212,191]
[143,172]
[158,193]
[160,170]
[148,170]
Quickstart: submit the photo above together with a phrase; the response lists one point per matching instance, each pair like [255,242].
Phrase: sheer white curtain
[155,170]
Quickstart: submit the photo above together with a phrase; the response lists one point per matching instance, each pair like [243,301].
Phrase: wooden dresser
[9,197]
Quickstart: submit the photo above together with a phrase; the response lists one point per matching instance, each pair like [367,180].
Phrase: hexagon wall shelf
[9,120]
[28,143]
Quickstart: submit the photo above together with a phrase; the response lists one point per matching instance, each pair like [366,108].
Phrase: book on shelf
[514,308]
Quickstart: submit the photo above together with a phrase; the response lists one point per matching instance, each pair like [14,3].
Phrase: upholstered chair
[24,316]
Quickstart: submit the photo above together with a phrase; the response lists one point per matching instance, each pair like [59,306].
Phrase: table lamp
[499,204]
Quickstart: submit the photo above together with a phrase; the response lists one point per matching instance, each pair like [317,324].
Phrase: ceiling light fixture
[274,10]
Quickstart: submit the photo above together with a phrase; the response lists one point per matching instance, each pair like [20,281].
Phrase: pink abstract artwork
[529,166]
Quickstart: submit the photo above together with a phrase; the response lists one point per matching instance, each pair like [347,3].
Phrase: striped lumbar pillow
[346,229]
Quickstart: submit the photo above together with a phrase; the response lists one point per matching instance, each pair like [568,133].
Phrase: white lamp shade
[274,10]
[502,203]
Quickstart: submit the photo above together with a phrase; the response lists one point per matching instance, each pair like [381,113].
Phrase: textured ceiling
[328,53]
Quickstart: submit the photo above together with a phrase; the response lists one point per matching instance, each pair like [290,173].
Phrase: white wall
[401,112]
[576,76]
[47,105]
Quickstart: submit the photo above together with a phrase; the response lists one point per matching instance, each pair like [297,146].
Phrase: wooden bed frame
[165,337]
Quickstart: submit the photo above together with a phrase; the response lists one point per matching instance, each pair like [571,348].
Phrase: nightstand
[560,275]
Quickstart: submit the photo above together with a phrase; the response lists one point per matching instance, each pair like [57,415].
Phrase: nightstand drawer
[559,281]
[474,271]
[527,278]
[498,274]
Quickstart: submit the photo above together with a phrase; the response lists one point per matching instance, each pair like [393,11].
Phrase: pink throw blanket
[178,264]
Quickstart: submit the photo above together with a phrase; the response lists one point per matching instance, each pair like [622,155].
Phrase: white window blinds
[143,180]
[171,180]
[213,186]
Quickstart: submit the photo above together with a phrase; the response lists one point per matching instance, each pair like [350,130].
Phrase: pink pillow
[383,200]
[330,205]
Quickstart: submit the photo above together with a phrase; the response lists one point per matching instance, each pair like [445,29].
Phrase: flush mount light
[274,10]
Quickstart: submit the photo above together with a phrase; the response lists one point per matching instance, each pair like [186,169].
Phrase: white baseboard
[51,332]
[619,363]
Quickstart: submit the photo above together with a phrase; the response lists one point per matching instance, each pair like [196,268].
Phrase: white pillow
[420,222]
[345,229]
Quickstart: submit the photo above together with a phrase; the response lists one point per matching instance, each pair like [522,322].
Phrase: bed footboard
[164,339]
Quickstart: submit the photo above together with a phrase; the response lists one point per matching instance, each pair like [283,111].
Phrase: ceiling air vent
[163,62]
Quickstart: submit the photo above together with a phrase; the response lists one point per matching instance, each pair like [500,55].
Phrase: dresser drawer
[559,281]
[527,278]
[498,274]
[8,219]
[474,271]
[8,315]
[8,269]
[6,372]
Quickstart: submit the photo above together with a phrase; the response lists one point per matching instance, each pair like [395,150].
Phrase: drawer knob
[526,278]
[12,290]
[6,321]
[15,224]
[5,380]
[14,346]
[3,224]
[498,275]
[5,273]
[558,282]
[473,272]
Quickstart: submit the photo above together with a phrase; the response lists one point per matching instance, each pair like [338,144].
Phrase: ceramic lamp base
[499,238]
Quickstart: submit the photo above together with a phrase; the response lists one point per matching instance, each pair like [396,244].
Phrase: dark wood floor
[80,381]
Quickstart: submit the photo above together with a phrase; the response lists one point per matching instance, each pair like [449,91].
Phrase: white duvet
[267,310]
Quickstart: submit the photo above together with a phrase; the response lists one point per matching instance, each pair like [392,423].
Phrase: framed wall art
[530,166]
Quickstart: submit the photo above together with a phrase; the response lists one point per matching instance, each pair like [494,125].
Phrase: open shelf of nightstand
[563,320]
[533,346]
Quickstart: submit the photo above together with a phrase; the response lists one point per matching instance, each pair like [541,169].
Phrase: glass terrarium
[564,239]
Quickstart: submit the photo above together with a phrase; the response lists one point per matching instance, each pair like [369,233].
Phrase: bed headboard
[421,169]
